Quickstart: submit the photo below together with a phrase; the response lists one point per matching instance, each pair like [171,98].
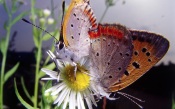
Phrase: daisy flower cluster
[76,93]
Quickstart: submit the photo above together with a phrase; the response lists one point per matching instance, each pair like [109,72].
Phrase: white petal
[61,97]
[53,88]
[47,79]
[72,100]
[91,97]
[81,101]
[66,99]
[58,78]
[61,87]
[78,102]
[51,73]
[88,100]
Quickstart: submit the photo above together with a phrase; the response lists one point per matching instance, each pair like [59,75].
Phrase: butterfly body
[64,54]
[118,56]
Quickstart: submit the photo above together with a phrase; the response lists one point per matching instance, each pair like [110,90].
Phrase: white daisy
[72,91]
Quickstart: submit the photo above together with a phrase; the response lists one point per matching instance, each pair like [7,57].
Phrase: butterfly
[118,55]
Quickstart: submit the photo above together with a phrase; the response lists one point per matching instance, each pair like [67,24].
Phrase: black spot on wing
[136,53]
[159,43]
[136,65]
[144,50]
[126,73]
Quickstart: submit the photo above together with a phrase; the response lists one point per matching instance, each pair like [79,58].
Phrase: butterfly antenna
[63,10]
[130,97]
[38,27]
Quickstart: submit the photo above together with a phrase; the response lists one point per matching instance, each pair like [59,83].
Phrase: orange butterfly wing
[149,48]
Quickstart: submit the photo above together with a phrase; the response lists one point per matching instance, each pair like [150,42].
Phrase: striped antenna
[39,28]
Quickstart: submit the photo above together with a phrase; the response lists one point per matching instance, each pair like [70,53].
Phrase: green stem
[3,65]
[36,75]
[2,81]
[4,56]
[32,10]
[35,102]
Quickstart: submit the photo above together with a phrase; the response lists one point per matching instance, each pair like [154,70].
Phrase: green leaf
[50,67]
[19,17]
[11,72]
[2,45]
[47,36]
[32,99]
[25,89]
[28,106]
[47,86]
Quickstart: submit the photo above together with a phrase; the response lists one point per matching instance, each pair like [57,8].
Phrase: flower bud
[50,21]
[42,21]
[33,17]
[46,12]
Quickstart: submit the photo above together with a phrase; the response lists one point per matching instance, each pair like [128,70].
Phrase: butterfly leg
[55,60]
[75,70]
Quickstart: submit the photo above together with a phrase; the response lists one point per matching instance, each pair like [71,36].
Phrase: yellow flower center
[78,83]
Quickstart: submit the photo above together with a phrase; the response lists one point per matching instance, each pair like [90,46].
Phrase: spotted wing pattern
[79,19]
[110,53]
[149,48]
